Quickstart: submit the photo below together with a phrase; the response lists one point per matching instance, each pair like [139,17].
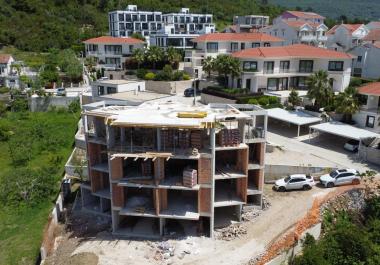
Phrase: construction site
[169,170]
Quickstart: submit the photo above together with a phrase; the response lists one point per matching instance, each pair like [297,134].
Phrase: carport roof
[343,130]
[295,117]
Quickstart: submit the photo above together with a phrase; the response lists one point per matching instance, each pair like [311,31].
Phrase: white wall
[370,62]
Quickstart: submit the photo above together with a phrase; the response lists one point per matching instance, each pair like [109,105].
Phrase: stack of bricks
[229,137]
[183,139]
[189,178]
[196,139]
[146,168]
[167,138]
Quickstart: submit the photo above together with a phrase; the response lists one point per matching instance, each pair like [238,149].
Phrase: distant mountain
[362,9]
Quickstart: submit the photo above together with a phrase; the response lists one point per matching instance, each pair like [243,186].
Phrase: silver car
[295,182]
[340,177]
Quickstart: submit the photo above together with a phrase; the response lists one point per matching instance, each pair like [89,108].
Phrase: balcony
[310,38]
[194,54]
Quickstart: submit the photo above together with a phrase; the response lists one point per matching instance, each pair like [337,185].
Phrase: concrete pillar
[298,131]
[162,225]
[122,136]
[212,143]
[158,139]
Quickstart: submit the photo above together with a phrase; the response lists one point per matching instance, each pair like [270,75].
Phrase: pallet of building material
[190,177]
[196,139]
[183,139]
[229,137]
[168,137]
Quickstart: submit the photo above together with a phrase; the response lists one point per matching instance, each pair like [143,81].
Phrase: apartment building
[369,115]
[123,23]
[250,23]
[180,28]
[224,43]
[300,16]
[163,169]
[286,67]
[298,31]
[366,62]
[344,37]
[111,52]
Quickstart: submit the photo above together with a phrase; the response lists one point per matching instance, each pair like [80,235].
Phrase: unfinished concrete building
[165,169]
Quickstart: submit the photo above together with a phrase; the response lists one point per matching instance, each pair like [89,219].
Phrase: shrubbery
[149,76]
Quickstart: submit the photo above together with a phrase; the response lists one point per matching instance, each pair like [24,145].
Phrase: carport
[342,130]
[297,117]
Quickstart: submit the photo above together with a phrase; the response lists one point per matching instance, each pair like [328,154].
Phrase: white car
[294,182]
[352,145]
[340,177]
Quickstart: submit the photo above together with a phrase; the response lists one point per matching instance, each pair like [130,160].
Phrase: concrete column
[122,136]
[265,126]
[162,225]
[298,131]
[212,143]
[158,139]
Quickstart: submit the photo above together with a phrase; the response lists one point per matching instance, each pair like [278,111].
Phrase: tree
[138,36]
[208,65]
[320,89]
[226,65]
[294,98]
[69,64]
[173,56]
[347,103]
[139,56]
[154,55]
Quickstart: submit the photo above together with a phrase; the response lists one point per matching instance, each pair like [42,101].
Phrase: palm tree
[173,56]
[320,89]
[347,103]
[208,65]
[138,55]
[226,65]
[294,98]
[154,55]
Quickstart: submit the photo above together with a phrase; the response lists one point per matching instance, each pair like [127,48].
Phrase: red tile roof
[350,27]
[370,89]
[298,24]
[377,44]
[218,37]
[4,58]
[307,15]
[291,51]
[113,40]
[373,35]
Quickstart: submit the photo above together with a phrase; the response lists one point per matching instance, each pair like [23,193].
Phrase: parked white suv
[295,182]
[340,177]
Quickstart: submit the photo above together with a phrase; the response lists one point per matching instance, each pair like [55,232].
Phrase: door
[272,84]
[283,83]
[344,178]
[294,184]
[248,84]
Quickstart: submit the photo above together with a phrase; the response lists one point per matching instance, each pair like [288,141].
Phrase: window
[268,67]
[296,180]
[370,123]
[255,44]
[129,26]
[150,17]
[242,46]
[284,66]
[113,61]
[272,84]
[121,17]
[234,46]
[111,90]
[359,59]
[212,46]
[335,66]
[100,90]
[112,49]
[142,17]
[158,18]
[306,66]
[121,26]
[266,44]
[250,66]
[128,17]
[134,18]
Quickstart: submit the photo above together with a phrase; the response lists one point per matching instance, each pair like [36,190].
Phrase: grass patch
[28,187]
[32,59]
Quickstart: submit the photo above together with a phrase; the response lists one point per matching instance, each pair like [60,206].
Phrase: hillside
[38,25]
[364,9]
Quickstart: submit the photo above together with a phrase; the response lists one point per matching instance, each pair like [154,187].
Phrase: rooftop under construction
[166,169]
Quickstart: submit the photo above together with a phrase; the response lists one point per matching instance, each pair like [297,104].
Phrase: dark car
[189,92]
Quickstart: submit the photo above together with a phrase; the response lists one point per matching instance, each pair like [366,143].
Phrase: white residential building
[224,43]
[369,115]
[286,67]
[123,23]
[298,31]
[344,37]
[300,16]
[367,60]
[107,87]
[111,52]
[10,74]
[250,23]
[180,28]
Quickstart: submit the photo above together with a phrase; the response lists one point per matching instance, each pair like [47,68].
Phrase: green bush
[149,76]
[4,90]
[140,73]
[263,101]
[186,77]
[253,101]
[273,100]
[177,76]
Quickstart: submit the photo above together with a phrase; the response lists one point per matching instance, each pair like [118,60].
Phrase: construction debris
[266,203]
[231,232]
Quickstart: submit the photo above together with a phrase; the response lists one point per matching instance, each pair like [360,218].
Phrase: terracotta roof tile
[4,58]
[370,89]
[219,37]
[308,15]
[291,51]
[350,27]
[373,35]
[298,24]
[113,40]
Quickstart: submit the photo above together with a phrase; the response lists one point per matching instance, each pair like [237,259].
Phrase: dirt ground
[81,245]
